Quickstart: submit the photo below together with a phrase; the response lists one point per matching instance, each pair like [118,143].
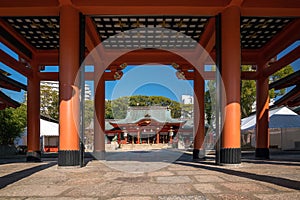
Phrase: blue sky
[19,96]
[149,80]
[137,80]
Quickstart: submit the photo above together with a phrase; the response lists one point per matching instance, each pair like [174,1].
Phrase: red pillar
[33,116]
[68,91]
[119,138]
[126,139]
[157,138]
[99,121]
[231,63]
[262,116]
[198,151]
[138,137]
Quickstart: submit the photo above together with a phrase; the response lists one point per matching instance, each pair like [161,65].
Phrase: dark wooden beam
[270,8]
[281,63]
[290,80]
[29,8]
[280,42]
[47,57]
[15,41]
[92,38]
[108,76]
[289,97]
[14,64]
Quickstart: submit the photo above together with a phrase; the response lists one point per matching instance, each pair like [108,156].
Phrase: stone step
[143,146]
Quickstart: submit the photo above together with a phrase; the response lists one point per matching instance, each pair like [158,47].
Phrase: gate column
[199,129]
[33,116]
[231,63]
[99,120]
[69,93]
[262,116]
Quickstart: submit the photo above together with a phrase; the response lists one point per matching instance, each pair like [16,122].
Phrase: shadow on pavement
[277,157]
[16,176]
[292,184]
[272,162]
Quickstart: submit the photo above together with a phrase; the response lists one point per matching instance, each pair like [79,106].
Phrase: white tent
[49,134]
[284,127]
[48,128]
[279,118]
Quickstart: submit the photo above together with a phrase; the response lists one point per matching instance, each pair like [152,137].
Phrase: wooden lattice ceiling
[40,32]
[162,37]
[257,31]
[43,32]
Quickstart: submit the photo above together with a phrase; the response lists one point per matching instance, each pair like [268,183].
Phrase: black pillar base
[68,158]
[262,153]
[230,155]
[34,156]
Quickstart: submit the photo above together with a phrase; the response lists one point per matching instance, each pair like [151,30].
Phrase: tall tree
[187,110]
[248,92]
[279,75]
[117,108]
[88,112]
[210,101]
[248,88]
[49,102]
[12,124]
[108,110]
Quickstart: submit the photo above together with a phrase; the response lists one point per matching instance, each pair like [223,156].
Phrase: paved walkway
[278,178]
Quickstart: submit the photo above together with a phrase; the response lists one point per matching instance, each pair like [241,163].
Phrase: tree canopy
[117,108]
[279,75]
[248,89]
[49,102]
[248,92]
[12,124]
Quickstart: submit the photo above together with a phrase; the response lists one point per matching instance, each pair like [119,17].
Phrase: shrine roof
[159,114]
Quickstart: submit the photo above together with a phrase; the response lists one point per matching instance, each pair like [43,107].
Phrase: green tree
[88,112]
[279,75]
[187,110]
[12,123]
[108,110]
[248,96]
[210,101]
[248,88]
[117,108]
[248,92]
[49,102]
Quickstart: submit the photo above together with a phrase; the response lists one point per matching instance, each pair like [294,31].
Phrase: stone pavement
[277,178]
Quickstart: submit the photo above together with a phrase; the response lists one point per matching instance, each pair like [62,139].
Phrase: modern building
[187,99]
[54,85]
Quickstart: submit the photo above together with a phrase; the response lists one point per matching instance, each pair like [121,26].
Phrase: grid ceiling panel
[40,32]
[257,31]
[151,32]
[43,32]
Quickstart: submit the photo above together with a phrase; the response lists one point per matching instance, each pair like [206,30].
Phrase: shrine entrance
[230,33]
